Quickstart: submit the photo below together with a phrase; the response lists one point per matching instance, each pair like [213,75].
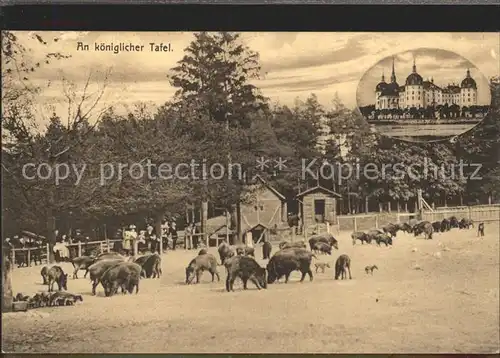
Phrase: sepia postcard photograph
[250,192]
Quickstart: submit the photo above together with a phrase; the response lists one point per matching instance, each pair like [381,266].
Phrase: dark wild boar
[151,265]
[326,238]
[342,265]
[359,235]
[82,263]
[44,272]
[57,275]
[445,225]
[125,275]
[293,245]
[245,250]
[267,248]
[323,248]
[246,268]
[99,268]
[284,262]
[384,238]
[480,230]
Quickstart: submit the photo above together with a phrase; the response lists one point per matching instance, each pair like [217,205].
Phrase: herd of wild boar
[114,271]
[417,227]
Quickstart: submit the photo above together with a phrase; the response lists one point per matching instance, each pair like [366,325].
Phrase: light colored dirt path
[452,305]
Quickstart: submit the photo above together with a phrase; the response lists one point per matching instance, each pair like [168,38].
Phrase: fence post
[48,254]
[355,225]
[102,249]
[29,257]
[470,213]
[13,254]
[376,221]
[79,248]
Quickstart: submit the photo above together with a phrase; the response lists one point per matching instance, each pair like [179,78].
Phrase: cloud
[294,64]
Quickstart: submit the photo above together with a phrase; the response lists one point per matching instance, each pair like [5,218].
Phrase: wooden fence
[486,213]
[78,249]
[369,221]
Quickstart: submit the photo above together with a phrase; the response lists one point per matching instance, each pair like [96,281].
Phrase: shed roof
[222,231]
[318,188]
[267,185]
[249,228]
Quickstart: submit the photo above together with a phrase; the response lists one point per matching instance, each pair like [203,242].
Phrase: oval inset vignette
[423,95]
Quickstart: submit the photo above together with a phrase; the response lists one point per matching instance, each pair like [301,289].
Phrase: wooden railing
[77,249]
[369,221]
[486,213]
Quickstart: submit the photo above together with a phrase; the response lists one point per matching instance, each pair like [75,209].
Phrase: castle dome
[381,85]
[468,81]
[414,79]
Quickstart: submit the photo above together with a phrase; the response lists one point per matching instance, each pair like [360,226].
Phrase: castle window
[413,98]
[261,207]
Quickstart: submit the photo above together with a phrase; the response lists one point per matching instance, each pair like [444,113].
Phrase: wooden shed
[317,205]
[220,234]
[267,210]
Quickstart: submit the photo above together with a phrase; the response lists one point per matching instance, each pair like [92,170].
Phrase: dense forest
[217,115]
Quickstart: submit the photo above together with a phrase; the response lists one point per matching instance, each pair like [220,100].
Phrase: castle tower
[379,89]
[414,89]
[393,75]
[468,91]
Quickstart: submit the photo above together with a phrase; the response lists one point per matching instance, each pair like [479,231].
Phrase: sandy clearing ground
[450,305]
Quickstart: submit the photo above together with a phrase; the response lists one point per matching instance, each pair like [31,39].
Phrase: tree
[481,147]
[68,145]
[217,101]
[297,130]
[216,71]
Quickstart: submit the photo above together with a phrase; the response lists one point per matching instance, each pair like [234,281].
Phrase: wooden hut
[266,210]
[317,205]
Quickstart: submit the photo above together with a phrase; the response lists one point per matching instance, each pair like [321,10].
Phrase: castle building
[420,94]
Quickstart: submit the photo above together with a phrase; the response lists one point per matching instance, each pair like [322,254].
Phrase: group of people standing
[149,240]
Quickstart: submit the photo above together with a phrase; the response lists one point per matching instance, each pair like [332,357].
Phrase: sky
[294,64]
[444,67]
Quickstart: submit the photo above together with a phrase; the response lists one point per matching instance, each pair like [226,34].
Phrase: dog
[369,269]
[322,266]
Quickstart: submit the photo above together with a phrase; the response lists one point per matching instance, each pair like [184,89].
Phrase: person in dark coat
[152,239]
[173,233]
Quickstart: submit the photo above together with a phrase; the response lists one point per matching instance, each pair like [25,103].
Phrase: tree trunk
[157,225]
[238,223]
[6,285]
[366,205]
[51,236]
[204,218]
